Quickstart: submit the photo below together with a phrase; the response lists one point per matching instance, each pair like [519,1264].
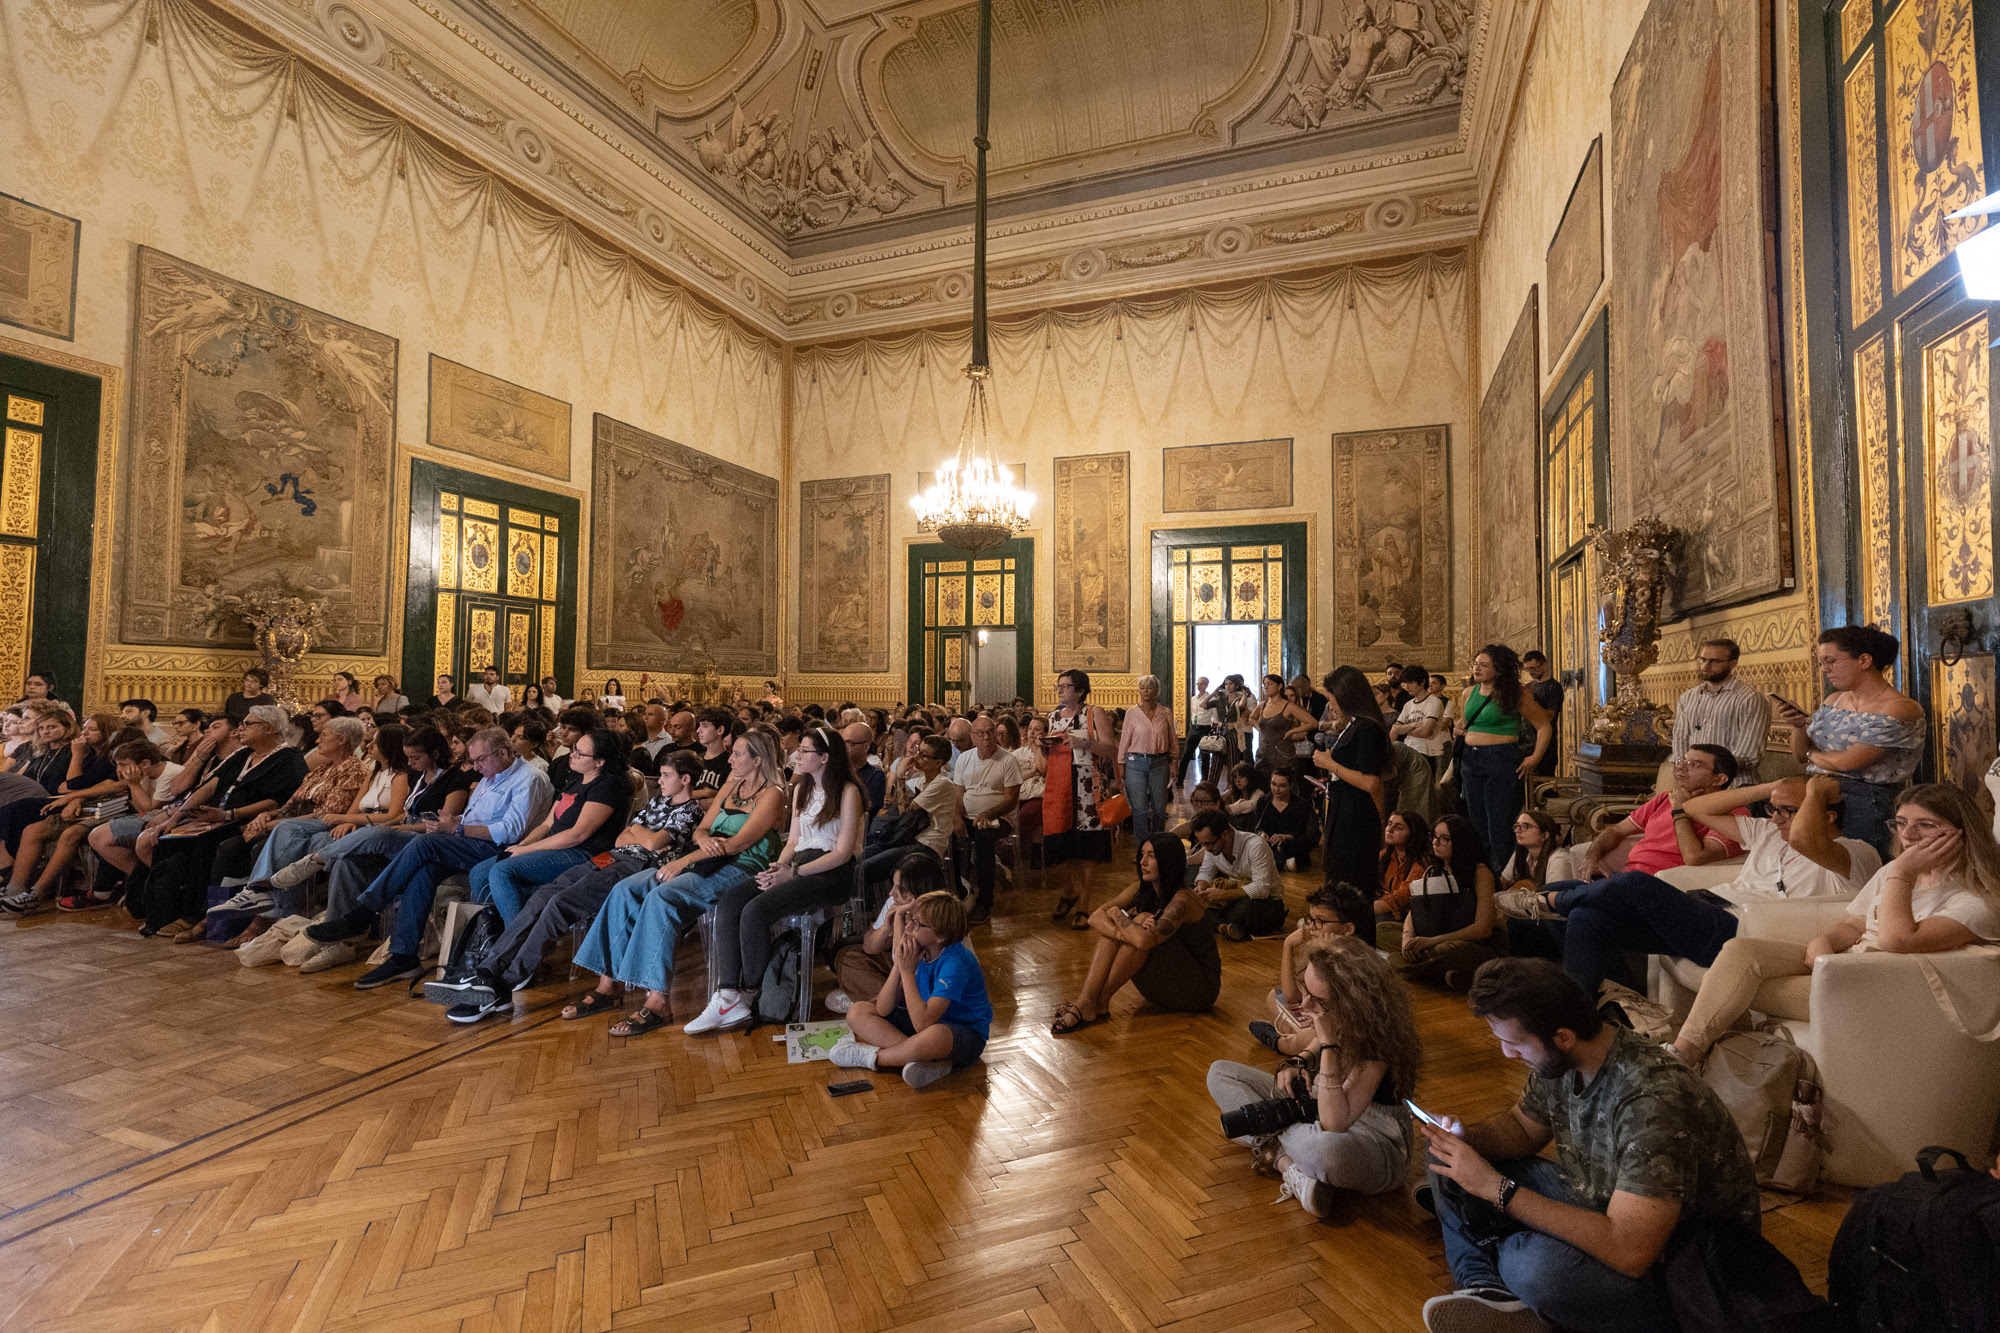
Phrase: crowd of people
[628,821]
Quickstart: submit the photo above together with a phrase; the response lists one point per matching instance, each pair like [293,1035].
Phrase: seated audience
[991,779]
[143,714]
[937,796]
[861,966]
[1165,949]
[530,740]
[1453,925]
[258,777]
[447,696]
[287,833]
[613,696]
[1033,762]
[1535,842]
[507,801]
[1246,795]
[1358,1065]
[1644,1149]
[858,739]
[714,730]
[381,803]
[1238,880]
[1796,853]
[256,693]
[1941,892]
[1286,823]
[71,774]
[932,1014]
[1331,909]
[827,830]
[581,825]
[1405,857]
[1868,735]
[632,940]
[149,780]
[1202,796]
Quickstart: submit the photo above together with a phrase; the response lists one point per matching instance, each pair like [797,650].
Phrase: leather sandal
[592,1002]
[640,1022]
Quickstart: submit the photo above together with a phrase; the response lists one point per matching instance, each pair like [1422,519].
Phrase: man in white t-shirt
[489,693]
[1797,853]
[1252,901]
[991,777]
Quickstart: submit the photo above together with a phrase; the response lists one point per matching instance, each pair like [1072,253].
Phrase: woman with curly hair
[1359,1066]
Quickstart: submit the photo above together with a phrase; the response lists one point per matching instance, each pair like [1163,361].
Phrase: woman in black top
[66,772]
[1286,823]
[1354,762]
[261,776]
[583,822]
[1157,935]
[1453,925]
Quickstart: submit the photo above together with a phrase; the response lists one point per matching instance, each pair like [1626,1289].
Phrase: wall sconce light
[984,638]
[1979,256]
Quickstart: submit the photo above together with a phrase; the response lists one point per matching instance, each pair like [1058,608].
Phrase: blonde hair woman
[1941,892]
[1361,1063]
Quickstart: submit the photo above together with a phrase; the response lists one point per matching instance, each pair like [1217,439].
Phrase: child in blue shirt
[932,1014]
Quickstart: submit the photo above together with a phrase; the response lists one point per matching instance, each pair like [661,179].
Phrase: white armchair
[1898,1074]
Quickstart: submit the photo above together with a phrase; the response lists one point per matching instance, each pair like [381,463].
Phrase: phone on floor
[1425,1116]
[849,1088]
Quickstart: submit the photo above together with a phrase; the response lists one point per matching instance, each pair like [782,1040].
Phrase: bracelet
[1506,1196]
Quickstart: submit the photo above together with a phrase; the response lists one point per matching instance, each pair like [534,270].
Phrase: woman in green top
[634,936]
[1497,718]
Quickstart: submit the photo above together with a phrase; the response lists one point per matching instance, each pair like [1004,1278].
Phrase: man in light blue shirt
[511,797]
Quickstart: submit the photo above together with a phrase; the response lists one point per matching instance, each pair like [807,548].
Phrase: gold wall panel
[1205,553]
[1206,588]
[986,598]
[954,657]
[447,619]
[951,567]
[519,623]
[1177,579]
[1007,598]
[1958,457]
[1183,691]
[930,600]
[24,410]
[1246,592]
[17,609]
[550,523]
[982,566]
[524,559]
[479,556]
[481,508]
[447,550]
[481,633]
[1856,17]
[1274,585]
[1963,725]
[951,600]
[1864,204]
[548,643]
[1274,649]
[523,518]
[1246,553]
[551,567]
[446,500]
[1878,512]
[1936,158]
[21,483]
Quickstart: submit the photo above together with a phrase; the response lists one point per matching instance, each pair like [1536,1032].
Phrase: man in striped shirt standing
[1722,710]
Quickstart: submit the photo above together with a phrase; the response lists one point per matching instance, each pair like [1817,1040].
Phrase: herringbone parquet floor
[187,1144]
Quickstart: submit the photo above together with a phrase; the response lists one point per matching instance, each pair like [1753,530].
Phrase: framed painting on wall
[1093,540]
[258,460]
[1210,478]
[1700,437]
[1576,254]
[474,413]
[1507,570]
[1391,546]
[844,574]
[38,252]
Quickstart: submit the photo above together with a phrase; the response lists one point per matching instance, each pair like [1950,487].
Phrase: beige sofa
[1899,1075]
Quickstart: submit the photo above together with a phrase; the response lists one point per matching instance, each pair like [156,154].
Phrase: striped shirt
[1731,715]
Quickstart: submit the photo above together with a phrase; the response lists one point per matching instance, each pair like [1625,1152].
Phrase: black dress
[1353,824]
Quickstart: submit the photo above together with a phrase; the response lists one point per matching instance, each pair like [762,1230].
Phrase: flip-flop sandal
[1079,921]
[1068,1019]
[593,1002]
[1064,906]
[640,1023]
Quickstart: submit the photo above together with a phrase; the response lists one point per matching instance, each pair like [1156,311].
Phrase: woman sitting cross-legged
[1286,821]
[662,834]
[1156,935]
[633,939]
[1359,1065]
[828,825]
[345,769]
[932,1015]
[1453,925]
[582,824]
[1404,859]
[1941,892]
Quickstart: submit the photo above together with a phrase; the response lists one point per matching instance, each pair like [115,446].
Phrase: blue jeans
[642,922]
[1493,797]
[1635,911]
[1553,1278]
[506,883]
[426,861]
[1866,808]
[353,862]
[1146,788]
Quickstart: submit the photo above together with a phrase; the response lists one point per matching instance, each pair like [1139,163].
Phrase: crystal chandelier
[973,504]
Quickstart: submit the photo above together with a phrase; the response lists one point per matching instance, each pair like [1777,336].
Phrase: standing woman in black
[1353,763]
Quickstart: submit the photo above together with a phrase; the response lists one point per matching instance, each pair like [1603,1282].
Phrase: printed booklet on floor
[807,1042]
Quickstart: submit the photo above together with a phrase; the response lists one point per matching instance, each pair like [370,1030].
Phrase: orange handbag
[1113,810]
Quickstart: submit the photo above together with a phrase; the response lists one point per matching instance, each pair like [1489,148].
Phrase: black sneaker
[471,1011]
[337,928]
[1266,1035]
[400,967]
[1480,1310]
[461,986]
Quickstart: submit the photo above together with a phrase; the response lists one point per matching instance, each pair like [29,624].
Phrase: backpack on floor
[1772,1090]
[1921,1254]
[778,996]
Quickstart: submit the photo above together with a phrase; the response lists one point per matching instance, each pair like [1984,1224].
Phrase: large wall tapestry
[1208,478]
[683,557]
[1576,255]
[1093,531]
[38,268]
[1692,339]
[1391,547]
[259,458]
[1506,572]
[475,413]
[1936,163]
[844,574]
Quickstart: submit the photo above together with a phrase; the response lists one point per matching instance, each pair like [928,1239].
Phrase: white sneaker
[1314,1195]
[923,1073]
[298,872]
[839,1002]
[718,1015]
[329,956]
[851,1054]
[246,900]
[1480,1310]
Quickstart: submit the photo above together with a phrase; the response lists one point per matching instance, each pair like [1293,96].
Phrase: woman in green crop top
[633,939]
[1499,717]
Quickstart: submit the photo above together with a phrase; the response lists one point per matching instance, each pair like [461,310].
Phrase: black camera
[1254,1120]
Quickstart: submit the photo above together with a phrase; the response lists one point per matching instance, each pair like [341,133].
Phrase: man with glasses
[1796,853]
[860,740]
[1722,710]
[510,798]
[991,777]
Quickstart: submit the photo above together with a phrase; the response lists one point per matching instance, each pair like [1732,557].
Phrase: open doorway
[1229,650]
[994,658]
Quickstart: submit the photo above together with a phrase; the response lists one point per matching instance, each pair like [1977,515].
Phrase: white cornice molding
[1490,106]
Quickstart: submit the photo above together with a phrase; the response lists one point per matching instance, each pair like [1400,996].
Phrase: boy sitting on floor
[1333,910]
[932,1014]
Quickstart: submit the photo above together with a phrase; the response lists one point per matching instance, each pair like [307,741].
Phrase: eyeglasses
[1440,837]
[1786,810]
[1917,826]
[810,749]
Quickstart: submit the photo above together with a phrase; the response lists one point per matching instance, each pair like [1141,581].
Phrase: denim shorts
[967,1044]
[125,829]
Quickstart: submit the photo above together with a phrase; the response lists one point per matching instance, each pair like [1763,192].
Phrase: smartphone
[1425,1116]
[1710,897]
[849,1088]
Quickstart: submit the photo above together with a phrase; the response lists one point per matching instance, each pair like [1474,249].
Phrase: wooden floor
[189,1144]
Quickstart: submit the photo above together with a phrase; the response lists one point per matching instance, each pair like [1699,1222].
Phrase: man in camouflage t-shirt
[1643,1146]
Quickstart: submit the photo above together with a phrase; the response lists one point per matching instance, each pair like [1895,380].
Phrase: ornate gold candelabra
[1636,566]
[285,628]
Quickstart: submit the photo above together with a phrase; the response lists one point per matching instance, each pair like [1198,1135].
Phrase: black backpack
[1922,1254]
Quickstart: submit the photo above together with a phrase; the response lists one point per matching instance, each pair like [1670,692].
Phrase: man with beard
[1643,1148]
[1721,710]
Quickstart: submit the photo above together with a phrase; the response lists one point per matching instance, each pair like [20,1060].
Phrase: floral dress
[1082,770]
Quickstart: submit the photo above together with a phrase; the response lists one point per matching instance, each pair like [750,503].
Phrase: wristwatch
[1506,1195]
